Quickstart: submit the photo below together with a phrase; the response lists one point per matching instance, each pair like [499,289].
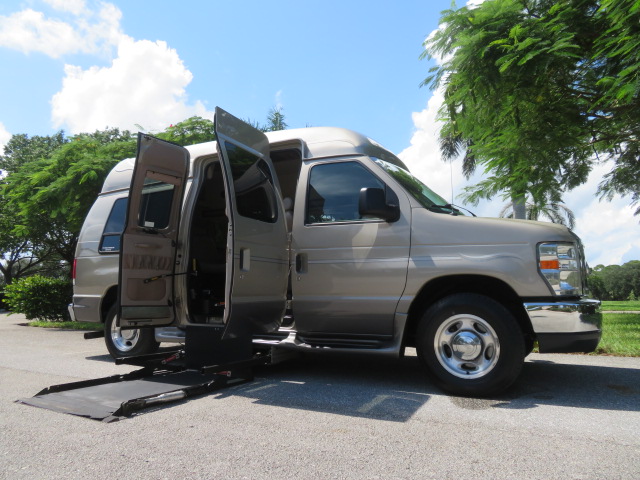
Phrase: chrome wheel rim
[466,346]
[124,340]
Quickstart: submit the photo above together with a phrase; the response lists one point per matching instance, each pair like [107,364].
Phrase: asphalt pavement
[343,417]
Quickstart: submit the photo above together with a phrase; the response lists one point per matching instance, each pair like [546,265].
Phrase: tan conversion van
[319,239]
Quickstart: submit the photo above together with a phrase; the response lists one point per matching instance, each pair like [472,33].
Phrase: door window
[155,212]
[155,207]
[253,185]
[334,192]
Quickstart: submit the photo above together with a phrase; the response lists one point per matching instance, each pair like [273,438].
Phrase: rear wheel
[126,343]
[471,345]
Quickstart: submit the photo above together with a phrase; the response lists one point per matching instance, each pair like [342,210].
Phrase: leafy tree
[534,88]
[188,132]
[19,256]
[51,196]
[616,282]
[554,212]
[21,149]
[617,129]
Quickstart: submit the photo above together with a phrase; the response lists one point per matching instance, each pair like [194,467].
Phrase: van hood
[437,228]
[501,248]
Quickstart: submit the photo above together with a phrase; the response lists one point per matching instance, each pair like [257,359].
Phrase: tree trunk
[7,273]
[519,206]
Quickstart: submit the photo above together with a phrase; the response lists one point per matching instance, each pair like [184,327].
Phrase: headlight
[560,265]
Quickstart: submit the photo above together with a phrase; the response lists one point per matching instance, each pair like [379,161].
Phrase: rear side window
[110,241]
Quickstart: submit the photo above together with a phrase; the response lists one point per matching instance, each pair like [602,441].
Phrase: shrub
[39,298]
[3,305]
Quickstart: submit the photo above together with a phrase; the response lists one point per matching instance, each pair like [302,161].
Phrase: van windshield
[418,190]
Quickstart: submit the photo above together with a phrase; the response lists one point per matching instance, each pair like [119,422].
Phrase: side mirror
[373,202]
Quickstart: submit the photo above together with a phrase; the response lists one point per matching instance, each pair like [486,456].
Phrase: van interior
[207,270]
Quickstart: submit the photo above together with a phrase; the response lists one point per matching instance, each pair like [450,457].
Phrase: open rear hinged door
[257,242]
[149,239]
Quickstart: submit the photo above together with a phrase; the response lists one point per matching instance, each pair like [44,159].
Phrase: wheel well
[108,301]
[439,288]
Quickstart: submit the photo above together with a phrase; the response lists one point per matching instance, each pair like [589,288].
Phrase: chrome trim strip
[169,334]
[565,316]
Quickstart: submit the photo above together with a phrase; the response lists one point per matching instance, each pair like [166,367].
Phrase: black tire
[529,345]
[127,343]
[471,345]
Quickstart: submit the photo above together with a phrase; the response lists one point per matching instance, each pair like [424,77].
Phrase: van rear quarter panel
[95,272]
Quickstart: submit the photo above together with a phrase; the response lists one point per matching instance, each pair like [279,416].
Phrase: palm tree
[275,121]
[554,212]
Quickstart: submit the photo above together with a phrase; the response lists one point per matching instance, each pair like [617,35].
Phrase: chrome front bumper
[566,326]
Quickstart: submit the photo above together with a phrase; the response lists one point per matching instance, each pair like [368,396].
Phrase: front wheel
[471,345]
[127,343]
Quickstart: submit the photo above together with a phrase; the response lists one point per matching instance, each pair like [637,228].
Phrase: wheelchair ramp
[207,363]
[113,398]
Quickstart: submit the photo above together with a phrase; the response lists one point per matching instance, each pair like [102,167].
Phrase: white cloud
[145,82]
[77,7]
[144,85]
[4,137]
[423,156]
[79,30]
[29,31]
[278,99]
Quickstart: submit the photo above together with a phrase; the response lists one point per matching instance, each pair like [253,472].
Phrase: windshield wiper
[455,209]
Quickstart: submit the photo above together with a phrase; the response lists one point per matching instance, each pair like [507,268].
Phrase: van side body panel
[96,272]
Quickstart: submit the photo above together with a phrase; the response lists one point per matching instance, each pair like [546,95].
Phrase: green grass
[67,325]
[620,335]
[621,306]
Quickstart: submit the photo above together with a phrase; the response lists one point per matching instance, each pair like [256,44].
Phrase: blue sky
[82,65]
[343,63]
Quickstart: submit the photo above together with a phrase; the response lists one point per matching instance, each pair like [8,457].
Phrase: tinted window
[334,192]
[113,229]
[253,185]
[418,190]
[155,208]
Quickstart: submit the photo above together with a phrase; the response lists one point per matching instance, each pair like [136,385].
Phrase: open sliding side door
[148,246]
[258,260]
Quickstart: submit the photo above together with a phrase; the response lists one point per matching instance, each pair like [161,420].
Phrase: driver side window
[334,192]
